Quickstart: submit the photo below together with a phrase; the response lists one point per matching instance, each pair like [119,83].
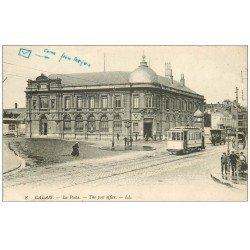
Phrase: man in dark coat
[233,161]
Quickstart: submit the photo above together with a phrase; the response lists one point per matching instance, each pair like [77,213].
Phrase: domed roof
[198,113]
[143,74]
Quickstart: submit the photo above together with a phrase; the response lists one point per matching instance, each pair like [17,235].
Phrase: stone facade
[100,105]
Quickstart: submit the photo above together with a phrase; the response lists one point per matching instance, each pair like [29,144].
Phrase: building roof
[143,74]
[109,78]
[15,114]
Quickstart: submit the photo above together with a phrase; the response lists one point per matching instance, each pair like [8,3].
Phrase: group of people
[237,163]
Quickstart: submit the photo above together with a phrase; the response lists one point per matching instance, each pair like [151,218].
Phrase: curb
[225,182]
[21,165]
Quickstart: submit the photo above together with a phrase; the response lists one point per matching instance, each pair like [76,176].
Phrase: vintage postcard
[124,123]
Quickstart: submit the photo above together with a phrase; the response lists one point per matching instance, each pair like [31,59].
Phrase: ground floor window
[117,123]
[67,122]
[135,127]
[91,124]
[12,127]
[79,122]
[104,124]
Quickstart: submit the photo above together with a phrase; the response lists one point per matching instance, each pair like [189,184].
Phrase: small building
[14,121]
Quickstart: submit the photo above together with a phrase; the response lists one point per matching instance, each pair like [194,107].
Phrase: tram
[183,140]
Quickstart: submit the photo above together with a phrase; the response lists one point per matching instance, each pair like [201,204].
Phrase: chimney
[15,105]
[182,81]
[168,72]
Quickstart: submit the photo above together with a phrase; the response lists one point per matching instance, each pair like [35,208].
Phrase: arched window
[79,123]
[104,124]
[66,122]
[91,123]
[117,124]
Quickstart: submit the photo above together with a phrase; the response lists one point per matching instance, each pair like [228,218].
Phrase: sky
[212,71]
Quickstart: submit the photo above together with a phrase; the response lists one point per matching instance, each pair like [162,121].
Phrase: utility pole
[236,132]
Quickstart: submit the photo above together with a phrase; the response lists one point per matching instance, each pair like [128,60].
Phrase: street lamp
[127,125]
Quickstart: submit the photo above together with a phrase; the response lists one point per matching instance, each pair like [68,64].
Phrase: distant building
[97,105]
[221,115]
[14,121]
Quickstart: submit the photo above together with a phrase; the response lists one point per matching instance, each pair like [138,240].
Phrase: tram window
[178,136]
[182,136]
[173,136]
[185,135]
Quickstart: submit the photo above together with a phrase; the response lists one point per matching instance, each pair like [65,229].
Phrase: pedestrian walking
[241,162]
[233,162]
[125,140]
[75,148]
[118,136]
[223,163]
[136,135]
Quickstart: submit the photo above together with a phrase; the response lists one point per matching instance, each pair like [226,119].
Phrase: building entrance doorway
[147,128]
[43,125]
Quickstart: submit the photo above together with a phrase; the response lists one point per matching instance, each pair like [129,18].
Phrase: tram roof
[184,128]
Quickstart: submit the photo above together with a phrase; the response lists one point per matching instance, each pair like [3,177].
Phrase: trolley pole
[237,127]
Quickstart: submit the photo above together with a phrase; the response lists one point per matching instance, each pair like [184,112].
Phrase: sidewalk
[11,161]
[239,181]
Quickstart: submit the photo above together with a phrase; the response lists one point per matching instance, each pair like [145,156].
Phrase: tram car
[218,136]
[183,140]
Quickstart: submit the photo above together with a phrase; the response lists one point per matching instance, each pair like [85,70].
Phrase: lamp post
[127,125]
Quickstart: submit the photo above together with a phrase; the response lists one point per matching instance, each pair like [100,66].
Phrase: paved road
[146,176]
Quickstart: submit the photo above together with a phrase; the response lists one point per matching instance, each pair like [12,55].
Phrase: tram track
[97,171]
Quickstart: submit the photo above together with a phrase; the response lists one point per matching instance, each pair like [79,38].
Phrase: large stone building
[99,105]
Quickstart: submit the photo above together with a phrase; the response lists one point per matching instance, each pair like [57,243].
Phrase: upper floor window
[158,101]
[136,101]
[67,103]
[43,102]
[79,103]
[179,104]
[34,104]
[91,102]
[118,102]
[167,103]
[182,105]
[104,102]
[149,101]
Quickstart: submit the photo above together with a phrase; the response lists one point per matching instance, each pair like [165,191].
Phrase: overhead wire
[65,75]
